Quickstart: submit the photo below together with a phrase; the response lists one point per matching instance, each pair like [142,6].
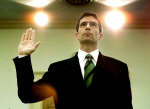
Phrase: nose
[87,26]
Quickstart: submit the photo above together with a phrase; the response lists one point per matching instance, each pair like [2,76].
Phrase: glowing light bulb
[116,3]
[115,19]
[38,3]
[41,19]
[35,3]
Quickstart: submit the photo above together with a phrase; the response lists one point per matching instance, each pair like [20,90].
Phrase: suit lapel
[100,60]
[76,70]
[75,67]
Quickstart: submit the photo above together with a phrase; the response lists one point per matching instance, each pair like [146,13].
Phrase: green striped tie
[88,75]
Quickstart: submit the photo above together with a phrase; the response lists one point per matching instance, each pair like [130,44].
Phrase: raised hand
[27,45]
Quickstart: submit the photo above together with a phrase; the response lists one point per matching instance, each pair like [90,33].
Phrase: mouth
[87,34]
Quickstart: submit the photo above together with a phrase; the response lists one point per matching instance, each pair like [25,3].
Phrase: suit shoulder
[62,62]
[112,60]
[113,65]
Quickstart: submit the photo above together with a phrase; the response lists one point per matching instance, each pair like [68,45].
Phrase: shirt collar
[82,54]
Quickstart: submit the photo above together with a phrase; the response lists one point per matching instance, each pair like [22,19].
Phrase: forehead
[88,18]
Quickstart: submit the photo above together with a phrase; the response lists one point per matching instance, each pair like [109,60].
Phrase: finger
[28,33]
[23,37]
[37,44]
[33,35]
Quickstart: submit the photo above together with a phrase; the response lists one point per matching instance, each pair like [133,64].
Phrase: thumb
[37,44]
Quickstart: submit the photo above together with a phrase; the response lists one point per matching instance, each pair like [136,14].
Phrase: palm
[27,46]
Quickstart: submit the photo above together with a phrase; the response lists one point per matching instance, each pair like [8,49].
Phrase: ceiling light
[115,19]
[115,3]
[41,19]
[35,3]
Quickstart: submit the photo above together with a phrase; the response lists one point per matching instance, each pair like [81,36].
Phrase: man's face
[88,30]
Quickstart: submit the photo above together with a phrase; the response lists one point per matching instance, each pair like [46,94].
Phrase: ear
[77,35]
[101,36]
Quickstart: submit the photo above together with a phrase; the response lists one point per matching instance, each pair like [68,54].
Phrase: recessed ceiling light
[41,18]
[35,3]
[115,3]
[115,19]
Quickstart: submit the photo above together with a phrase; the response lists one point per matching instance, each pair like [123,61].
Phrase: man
[89,80]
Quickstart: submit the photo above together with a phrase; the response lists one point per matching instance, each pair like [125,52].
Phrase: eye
[93,24]
[83,24]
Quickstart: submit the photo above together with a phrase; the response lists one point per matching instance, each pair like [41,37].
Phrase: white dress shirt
[82,60]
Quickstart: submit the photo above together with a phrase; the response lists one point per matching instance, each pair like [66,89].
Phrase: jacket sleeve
[124,89]
[29,91]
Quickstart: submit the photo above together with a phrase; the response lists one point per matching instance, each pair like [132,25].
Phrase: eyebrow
[88,21]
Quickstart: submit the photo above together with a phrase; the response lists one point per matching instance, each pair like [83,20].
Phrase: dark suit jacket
[110,88]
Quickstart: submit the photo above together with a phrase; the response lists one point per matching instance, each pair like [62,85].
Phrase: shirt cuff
[21,56]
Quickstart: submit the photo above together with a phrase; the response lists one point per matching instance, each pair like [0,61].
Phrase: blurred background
[126,29]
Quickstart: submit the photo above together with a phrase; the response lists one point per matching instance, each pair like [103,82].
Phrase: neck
[88,47]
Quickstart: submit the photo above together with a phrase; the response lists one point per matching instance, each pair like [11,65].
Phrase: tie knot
[89,57]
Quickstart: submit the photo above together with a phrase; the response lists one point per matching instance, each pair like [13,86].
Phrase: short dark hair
[86,14]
